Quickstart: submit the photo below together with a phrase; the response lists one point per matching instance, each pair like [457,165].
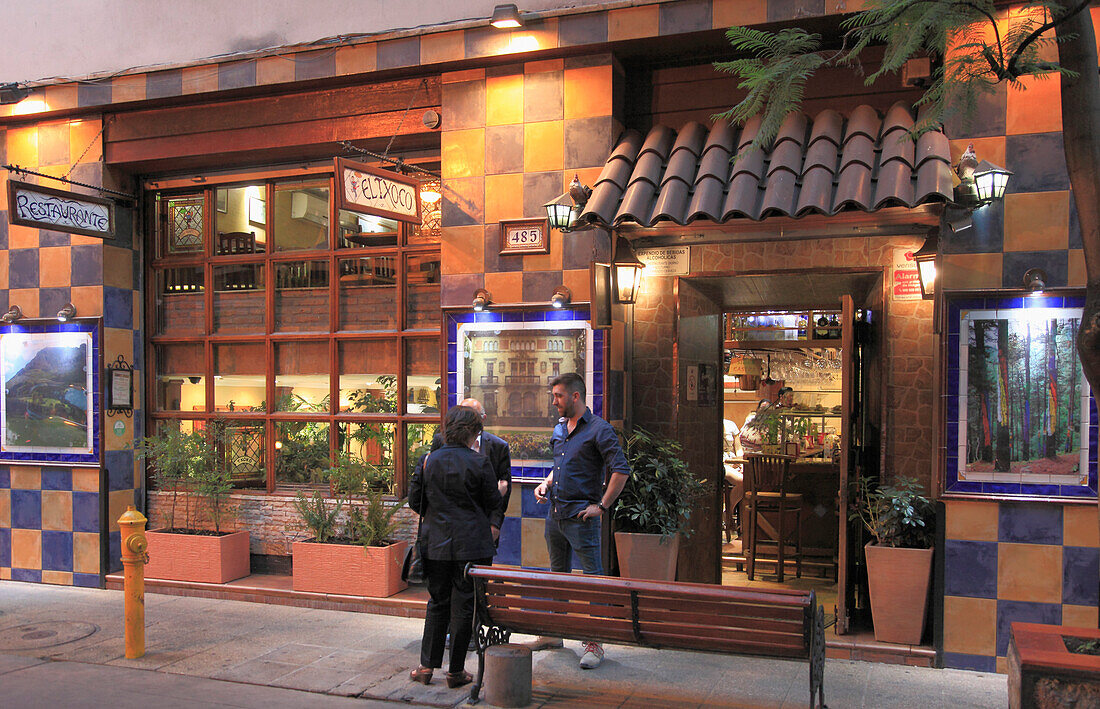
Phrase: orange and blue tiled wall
[1032,562]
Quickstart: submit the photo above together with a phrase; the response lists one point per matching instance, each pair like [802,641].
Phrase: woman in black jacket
[454,495]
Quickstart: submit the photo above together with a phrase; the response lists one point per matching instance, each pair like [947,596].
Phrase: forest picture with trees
[1024,393]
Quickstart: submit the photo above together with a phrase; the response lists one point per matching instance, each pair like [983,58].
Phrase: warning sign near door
[906,282]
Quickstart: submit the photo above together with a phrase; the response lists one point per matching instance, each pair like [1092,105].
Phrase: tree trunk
[1025,454]
[1050,449]
[1003,461]
[1081,137]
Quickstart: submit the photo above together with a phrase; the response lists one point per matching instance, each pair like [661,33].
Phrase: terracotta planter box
[898,580]
[645,556]
[1043,673]
[349,569]
[197,557]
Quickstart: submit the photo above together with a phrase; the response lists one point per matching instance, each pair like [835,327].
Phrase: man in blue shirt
[585,446]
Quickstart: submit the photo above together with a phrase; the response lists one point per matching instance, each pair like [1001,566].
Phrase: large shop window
[289,341]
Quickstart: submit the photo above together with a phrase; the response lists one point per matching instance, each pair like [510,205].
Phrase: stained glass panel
[185,222]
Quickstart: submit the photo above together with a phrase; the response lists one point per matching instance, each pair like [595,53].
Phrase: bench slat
[729,623]
[620,631]
[719,611]
[671,589]
[782,636]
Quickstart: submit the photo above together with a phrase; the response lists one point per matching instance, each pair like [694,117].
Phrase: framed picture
[120,389]
[1019,416]
[257,211]
[221,200]
[515,391]
[524,236]
[50,401]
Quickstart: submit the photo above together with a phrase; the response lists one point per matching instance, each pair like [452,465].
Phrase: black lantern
[926,266]
[628,272]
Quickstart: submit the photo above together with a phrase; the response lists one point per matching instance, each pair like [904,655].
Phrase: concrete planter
[349,569]
[898,580]
[647,556]
[197,557]
[1042,672]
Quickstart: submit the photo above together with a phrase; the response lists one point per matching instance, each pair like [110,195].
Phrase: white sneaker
[545,642]
[592,657]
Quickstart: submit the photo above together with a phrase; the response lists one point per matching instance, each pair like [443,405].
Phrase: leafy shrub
[317,516]
[895,515]
[657,496]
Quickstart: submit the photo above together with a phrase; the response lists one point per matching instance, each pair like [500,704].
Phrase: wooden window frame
[269,258]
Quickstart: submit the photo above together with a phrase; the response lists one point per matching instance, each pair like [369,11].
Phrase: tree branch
[1013,72]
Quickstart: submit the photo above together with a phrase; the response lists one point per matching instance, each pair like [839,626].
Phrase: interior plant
[899,559]
[656,501]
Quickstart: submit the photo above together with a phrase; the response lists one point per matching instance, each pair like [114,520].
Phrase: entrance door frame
[875,296]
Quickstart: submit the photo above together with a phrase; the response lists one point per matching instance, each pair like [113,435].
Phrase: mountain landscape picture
[47,382]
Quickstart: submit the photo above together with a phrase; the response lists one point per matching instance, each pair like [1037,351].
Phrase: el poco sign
[58,210]
[368,190]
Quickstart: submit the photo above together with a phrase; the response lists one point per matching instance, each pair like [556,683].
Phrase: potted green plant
[899,559]
[652,512]
[353,553]
[184,464]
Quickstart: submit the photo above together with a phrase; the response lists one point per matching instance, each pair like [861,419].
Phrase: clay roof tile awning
[824,166]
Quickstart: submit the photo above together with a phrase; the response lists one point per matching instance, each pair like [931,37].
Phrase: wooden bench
[674,615]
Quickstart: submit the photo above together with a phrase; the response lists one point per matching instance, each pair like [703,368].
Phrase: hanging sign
[369,190]
[58,210]
[906,284]
[667,261]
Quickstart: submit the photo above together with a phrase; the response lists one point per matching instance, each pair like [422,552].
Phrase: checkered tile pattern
[58,524]
[1005,562]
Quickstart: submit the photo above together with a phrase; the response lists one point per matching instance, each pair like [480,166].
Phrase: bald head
[475,405]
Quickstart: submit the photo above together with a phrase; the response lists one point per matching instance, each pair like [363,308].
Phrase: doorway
[806,343]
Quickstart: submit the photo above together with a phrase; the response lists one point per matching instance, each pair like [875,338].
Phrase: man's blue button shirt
[580,459]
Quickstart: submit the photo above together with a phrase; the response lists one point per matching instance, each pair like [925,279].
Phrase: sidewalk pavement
[212,653]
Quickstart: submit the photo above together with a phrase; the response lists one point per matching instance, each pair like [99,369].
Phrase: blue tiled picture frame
[529,470]
[39,334]
[956,478]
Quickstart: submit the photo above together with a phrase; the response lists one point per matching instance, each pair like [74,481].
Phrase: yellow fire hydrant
[134,544]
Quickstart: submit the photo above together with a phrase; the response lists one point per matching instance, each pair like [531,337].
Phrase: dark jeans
[450,607]
[566,536]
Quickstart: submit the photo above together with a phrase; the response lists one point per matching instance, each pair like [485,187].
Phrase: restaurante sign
[57,210]
[368,190]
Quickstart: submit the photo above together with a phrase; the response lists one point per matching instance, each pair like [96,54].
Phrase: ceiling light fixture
[506,17]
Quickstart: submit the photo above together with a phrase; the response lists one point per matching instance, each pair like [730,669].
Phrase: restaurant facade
[247,296]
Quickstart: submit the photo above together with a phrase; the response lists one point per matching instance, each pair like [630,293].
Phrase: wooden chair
[733,489]
[774,515]
[235,242]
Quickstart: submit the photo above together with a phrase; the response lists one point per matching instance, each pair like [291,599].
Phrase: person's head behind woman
[461,426]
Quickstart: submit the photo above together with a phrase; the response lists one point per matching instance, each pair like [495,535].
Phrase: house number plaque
[524,236]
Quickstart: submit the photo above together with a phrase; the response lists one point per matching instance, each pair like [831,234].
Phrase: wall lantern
[67,313]
[990,181]
[506,17]
[13,93]
[628,271]
[980,183]
[1035,281]
[563,210]
[561,297]
[926,266]
[482,298]
[14,313]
